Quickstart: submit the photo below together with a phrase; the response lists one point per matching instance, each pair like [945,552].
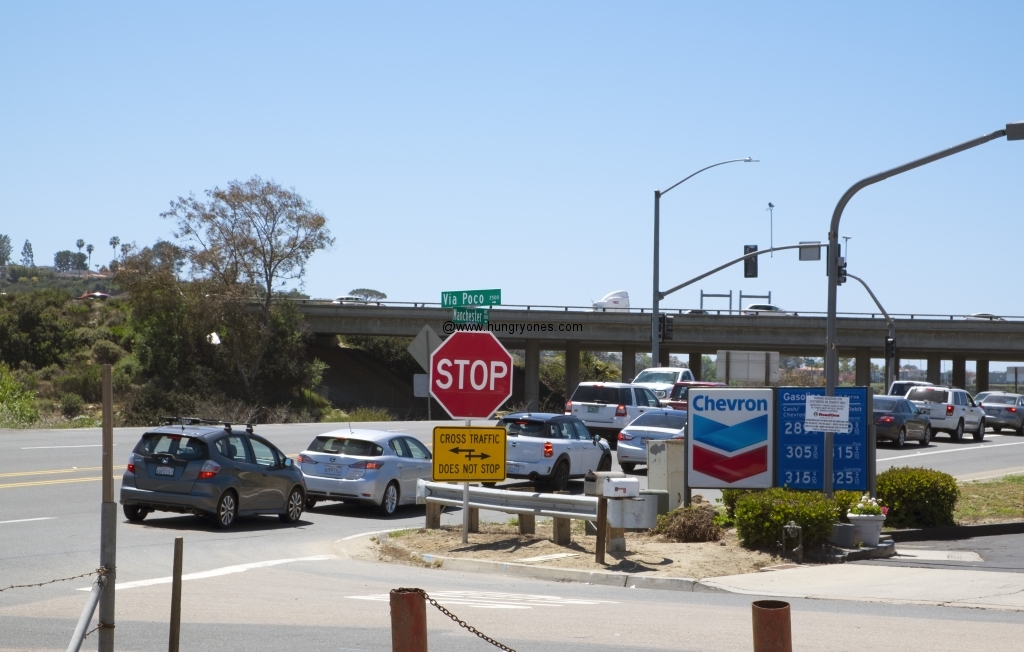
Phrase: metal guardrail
[696,312]
[510,502]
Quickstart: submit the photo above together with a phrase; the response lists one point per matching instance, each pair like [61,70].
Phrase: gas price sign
[801,461]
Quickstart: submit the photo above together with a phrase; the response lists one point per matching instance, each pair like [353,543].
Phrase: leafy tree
[249,240]
[28,259]
[62,260]
[708,368]
[5,249]
[80,243]
[366,294]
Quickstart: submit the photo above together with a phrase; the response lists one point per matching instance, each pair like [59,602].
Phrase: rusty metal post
[408,621]
[108,518]
[772,632]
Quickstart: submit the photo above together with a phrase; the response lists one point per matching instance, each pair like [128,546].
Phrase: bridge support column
[934,369]
[981,376]
[696,365]
[628,363]
[895,369]
[960,371]
[572,367]
[862,367]
[663,357]
[531,390]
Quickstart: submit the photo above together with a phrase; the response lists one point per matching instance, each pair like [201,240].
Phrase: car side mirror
[596,438]
[288,462]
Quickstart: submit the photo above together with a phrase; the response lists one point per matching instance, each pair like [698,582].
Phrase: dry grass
[991,501]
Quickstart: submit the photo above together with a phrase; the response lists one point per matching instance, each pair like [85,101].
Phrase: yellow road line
[45,482]
[84,468]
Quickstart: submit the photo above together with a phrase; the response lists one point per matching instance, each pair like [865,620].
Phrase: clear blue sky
[477,145]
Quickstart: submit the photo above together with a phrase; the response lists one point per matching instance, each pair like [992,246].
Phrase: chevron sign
[731,434]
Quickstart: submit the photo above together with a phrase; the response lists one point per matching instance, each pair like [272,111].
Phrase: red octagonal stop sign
[471,375]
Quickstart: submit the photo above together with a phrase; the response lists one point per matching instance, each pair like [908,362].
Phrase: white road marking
[26,520]
[366,534]
[35,448]
[216,572]
[487,600]
[921,554]
[950,450]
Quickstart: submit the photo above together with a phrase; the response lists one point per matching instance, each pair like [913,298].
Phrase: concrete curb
[606,578]
[957,532]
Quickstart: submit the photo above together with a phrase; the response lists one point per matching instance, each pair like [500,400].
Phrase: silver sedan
[654,424]
[372,467]
[1004,411]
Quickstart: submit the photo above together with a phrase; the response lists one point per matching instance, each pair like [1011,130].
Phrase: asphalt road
[49,528]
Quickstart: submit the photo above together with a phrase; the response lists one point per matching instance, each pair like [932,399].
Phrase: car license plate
[992,412]
[593,408]
[512,468]
[165,470]
[334,469]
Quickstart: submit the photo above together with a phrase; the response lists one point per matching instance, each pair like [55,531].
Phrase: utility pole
[771,227]
[108,520]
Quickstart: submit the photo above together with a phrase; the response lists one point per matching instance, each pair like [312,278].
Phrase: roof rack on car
[191,421]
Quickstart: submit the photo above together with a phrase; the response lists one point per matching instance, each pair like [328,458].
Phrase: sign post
[468,454]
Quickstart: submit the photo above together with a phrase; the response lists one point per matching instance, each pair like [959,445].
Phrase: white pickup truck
[549,449]
[951,410]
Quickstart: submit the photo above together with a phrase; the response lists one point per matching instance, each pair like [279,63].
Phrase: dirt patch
[646,553]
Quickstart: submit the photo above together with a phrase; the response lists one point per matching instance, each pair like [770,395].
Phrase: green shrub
[844,501]
[17,405]
[82,379]
[71,405]
[690,524]
[918,497]
[106,352]
[760,516]
[729,498]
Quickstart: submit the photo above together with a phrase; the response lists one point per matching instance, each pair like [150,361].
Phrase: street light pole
[889,321]
[655,352]
[1013,131]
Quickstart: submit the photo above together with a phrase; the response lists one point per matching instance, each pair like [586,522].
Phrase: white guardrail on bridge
[511,502]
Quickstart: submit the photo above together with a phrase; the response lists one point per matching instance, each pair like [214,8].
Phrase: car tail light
[620,411]
[568,407]
[368,465]
[305,459]
[549,450]
[886,420]
[131,463]
[949,410]
[1011,409]
[624,437]
[210,469]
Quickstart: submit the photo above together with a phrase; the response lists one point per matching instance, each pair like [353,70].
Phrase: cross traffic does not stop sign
[471,375]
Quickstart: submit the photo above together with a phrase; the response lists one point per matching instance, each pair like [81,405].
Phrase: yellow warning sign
[469,454]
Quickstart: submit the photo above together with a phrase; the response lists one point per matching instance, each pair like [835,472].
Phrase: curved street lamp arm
[752,254]
[873,297]
[735,160]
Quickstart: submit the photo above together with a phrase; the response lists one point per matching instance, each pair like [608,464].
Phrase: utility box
[748,366]
[639,513]
[593,482]
[666,468]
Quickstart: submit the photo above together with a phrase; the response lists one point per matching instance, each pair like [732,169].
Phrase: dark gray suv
[210,471]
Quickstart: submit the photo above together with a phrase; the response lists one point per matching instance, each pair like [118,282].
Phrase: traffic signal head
[841,271]
[665,327]
[750,264]
[890,348]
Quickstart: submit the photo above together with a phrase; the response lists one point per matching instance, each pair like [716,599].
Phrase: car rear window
[679,392]
[657,377]
[600,394]
[885,404]
[526,428]
[660,420]
[929,394]
[345,446]
[1001,400]
[181,447]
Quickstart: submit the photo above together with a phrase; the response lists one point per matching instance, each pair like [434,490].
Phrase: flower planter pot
[868,527]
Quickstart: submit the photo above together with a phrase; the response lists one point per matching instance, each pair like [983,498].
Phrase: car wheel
[310,503]
[958,434]
[293,508]
[560,478]
[227,510]
[605,464]
[901,438]
[389,501]
[997,429]
[627,467]
[135,514]
[927,439]
[979,434]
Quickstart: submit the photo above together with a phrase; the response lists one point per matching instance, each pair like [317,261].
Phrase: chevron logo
[730,469]
[730,438]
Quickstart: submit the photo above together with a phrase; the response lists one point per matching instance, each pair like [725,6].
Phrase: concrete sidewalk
[880,583]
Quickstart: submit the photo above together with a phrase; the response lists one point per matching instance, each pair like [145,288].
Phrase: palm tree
[80,243]
[89,249]
[114,242]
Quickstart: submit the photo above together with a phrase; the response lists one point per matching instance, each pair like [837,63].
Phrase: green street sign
[470,316]
[471,298]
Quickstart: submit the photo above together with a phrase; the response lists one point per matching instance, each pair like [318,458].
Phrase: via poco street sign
[469,454]
[471,374]
[479,316]
[462,298]
[730,438]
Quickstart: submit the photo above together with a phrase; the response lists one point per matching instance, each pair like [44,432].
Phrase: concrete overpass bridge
[532,329]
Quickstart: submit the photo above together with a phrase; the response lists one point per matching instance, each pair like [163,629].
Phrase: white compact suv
[661,380]
[951,410]
[607,408]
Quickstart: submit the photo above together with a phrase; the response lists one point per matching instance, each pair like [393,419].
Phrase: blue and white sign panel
[801,461]
[731,433]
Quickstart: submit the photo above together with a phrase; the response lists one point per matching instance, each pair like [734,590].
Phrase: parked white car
[661,380]
[607,408]
[549,449]
[950,410]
